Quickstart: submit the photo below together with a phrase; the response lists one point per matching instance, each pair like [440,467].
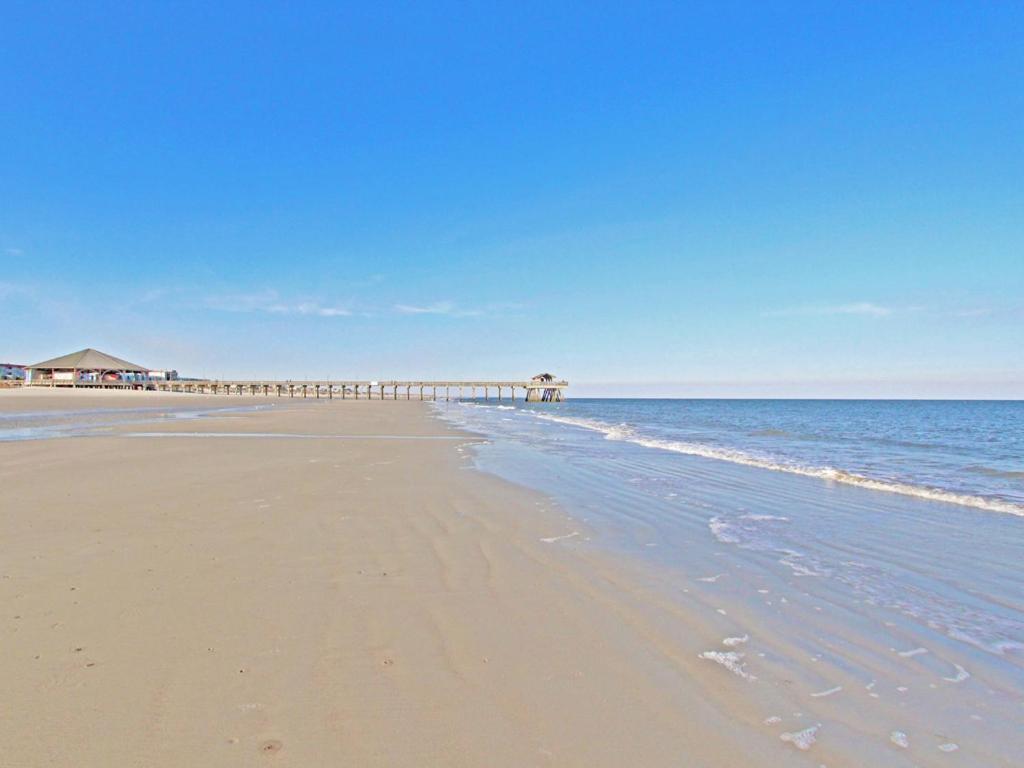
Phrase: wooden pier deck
[532,391]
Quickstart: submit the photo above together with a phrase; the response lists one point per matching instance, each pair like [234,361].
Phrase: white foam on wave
[829,692]
[723,530]
[912,652]
[961,675]
[1000,648]
[626,433]
[802,740]
[553,539]
[899,738]
[798,569]
[732,642]
[731,660]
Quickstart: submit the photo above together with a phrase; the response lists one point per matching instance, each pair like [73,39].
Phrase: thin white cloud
[14,252]
[311,308]
[448,308]
[864,308]
[270,302]
[451,309]
[331,312]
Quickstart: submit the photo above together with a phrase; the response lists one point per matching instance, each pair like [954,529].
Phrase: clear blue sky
[714,198]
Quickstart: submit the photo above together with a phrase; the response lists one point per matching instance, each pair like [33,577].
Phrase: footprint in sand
[271,747]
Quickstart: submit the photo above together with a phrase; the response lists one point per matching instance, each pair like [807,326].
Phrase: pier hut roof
[90,360]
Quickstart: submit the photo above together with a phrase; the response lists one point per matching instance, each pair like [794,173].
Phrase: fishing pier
[532,391]
[92,369]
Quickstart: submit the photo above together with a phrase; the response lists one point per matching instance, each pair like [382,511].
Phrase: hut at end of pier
[538,392]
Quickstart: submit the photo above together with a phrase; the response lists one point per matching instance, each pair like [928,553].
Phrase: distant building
[87,368]
[163,375]
[545,388]
[11,372]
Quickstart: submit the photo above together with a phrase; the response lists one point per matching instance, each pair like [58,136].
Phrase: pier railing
[532,391]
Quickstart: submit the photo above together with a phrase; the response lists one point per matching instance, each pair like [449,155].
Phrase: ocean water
[865,559]
[965,452]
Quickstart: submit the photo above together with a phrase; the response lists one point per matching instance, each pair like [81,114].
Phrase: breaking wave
[626,433]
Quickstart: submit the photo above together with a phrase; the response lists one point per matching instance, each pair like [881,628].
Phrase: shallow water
[43,425]
[892,603]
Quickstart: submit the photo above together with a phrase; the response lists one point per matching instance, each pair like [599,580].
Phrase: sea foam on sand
[802,740]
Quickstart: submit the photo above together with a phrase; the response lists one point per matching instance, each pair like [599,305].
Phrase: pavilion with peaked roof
[86,368]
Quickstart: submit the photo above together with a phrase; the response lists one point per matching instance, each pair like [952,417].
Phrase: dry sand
[237,601]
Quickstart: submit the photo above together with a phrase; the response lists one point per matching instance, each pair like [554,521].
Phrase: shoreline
[868,613]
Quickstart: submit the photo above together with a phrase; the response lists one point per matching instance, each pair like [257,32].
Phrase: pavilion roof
[90,359]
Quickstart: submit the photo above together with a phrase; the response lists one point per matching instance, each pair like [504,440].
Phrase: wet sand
[332,598]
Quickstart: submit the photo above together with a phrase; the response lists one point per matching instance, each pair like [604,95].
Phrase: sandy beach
[349,594]
[438,385]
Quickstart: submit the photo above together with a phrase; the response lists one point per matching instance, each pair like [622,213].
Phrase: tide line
[298,436]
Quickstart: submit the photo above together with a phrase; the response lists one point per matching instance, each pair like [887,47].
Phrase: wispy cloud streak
[451,309]
[437,308]
[864,308]
[271,303]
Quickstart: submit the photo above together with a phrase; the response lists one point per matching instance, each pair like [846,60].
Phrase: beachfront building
[87,368]
[165,375]
[11,372]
